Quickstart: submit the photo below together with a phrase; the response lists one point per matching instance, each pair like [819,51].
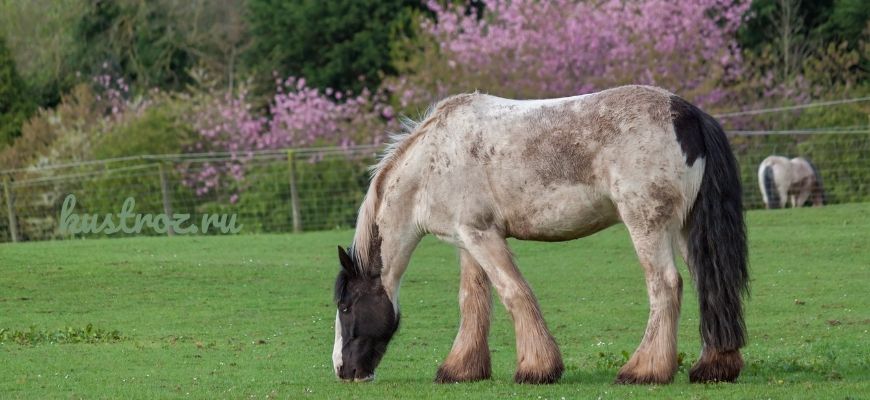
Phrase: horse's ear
[346,261]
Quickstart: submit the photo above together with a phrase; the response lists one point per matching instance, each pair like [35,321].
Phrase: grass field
[251,316]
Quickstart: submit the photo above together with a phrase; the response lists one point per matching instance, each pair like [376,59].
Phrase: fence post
[164,190]
[10,208]
[294,193]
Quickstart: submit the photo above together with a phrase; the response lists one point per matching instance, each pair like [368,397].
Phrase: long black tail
[770,188]
[717,233]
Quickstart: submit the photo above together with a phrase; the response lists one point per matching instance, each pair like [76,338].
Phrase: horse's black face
[366,322]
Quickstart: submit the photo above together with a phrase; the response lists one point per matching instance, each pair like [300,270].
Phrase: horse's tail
[717,242]
[818,188]
[770,191]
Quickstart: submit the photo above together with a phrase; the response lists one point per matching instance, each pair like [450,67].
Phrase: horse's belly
[557,216]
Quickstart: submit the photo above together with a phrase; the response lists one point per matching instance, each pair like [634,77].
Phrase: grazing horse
[795,180]
[479,169]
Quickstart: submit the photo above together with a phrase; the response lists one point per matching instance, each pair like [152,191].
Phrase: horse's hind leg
[469,358]
[655,360]
[538,358]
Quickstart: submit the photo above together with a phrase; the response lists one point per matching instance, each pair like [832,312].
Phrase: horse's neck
[388,235]
[383,246]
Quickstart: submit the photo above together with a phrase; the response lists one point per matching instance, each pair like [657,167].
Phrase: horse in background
[479,169]
[795,180]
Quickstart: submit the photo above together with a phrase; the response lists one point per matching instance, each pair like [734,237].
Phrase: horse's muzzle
[351,375]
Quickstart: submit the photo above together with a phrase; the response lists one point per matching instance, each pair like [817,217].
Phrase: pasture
[251,316]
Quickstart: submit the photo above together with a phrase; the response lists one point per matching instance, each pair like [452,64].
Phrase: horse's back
[781,168]
[774,160]
[802,167]
[553,169]
[792,173]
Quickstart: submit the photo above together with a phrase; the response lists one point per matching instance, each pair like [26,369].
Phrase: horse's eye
[345,309]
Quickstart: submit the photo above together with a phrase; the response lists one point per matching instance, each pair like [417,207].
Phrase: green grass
[251,316]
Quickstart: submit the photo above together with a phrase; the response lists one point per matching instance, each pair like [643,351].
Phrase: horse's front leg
[538,358]
[469,359]
[801,198]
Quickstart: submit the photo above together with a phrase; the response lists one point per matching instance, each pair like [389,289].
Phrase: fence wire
[318,189]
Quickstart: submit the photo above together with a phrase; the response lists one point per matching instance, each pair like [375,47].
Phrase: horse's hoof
[628,378]
[539,377]
[473,366]
[640,371]
[451,375]
[717,367]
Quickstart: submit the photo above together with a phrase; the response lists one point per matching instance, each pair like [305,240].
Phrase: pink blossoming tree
[299,116]
[529,48]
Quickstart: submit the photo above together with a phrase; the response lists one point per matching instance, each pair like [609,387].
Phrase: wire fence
[317,189]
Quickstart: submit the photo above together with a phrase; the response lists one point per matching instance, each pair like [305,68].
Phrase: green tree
[847,20]
[60,43]
[137,38]
[217,34]
[820,21]
[15,106]
[159,130]
[39,35]
[342,44]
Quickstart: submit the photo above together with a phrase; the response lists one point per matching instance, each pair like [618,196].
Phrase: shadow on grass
[590,376]
[803,370]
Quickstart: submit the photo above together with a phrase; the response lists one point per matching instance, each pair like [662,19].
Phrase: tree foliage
[39,35]
[15,106]
[821,22]
[336,44]
[139,39]
[338,72]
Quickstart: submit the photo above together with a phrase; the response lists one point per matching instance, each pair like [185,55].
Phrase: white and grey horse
[795,181]
[479,169]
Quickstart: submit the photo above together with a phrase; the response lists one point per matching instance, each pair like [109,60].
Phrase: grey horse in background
[796,181]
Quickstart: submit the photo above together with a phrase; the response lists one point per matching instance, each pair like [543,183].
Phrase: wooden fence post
[164,190]
[294,192]
[10,208]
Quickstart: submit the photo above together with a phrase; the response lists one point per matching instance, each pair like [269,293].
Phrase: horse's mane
[366,229]
[395,146]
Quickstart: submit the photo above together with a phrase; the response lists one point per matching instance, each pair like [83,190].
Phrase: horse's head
[364,324]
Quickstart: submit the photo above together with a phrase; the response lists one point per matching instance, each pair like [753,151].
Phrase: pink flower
[387,112]
[557,48]
[299,116]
